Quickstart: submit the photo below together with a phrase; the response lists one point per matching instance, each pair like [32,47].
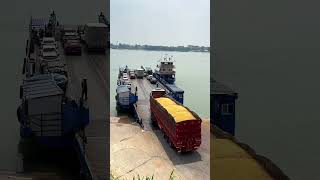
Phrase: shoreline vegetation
[138,177]
[189,48]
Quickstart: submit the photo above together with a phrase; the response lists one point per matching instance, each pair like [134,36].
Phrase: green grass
[138,177]
[142,178]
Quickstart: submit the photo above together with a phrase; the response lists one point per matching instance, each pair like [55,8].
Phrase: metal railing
[86,170]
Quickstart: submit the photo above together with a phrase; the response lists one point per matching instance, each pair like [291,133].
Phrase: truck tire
[171,144]
[164,134]
[153,121]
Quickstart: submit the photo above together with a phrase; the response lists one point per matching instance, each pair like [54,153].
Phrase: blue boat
[165,71]
[47,115]
[165,74]
[175,92]
[125,98]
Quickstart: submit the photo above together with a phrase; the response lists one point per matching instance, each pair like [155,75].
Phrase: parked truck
[139,73]
[180,125]
[96,36]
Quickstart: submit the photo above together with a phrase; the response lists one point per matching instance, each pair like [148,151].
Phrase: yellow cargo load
[165,101]
[178,112]
[175,108]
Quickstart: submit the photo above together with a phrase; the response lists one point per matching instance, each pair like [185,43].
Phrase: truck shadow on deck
[175,157]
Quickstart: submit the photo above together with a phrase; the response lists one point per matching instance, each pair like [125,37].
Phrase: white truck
[96,36]
[139,73]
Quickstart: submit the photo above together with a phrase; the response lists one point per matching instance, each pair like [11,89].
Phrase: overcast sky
[160,22]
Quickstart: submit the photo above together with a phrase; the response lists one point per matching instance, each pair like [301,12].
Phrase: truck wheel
[153,121]
[163,134]
[170,143]
[166,137]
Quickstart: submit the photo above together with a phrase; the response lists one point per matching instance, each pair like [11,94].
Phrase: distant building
[223,106]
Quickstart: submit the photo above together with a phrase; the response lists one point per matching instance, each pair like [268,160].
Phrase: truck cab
[157,92]
[96,36]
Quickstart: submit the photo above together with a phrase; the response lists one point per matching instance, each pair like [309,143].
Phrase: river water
[268,51]
[277,109]
[192,75]
[14,19]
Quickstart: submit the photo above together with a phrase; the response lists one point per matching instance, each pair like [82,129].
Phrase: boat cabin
[165,70]
[223,106]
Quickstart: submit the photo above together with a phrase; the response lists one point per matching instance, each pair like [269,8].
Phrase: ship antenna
[172,58]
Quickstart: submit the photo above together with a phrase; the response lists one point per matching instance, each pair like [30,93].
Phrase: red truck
[180,126]
[71,43]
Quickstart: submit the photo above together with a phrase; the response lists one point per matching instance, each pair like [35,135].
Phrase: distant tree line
[189,48]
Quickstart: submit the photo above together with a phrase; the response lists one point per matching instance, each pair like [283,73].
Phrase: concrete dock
[145,152]
[142,106]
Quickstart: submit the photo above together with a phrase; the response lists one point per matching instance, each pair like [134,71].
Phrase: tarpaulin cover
[74,117]
[178,112]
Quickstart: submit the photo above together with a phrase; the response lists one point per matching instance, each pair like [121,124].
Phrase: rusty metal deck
[143,104]
[94,68]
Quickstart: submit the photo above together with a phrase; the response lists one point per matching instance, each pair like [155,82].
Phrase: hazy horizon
[163,23]
[131,44]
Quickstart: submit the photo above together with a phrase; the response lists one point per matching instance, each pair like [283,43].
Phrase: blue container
[175,92]
[74,117]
